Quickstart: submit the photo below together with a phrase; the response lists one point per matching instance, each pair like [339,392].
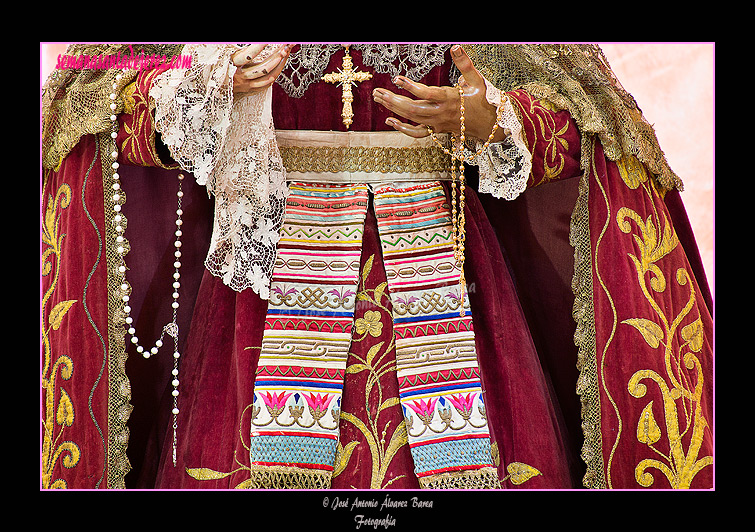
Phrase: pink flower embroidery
[463,404]
[275,403]
[318,403]
[424,410]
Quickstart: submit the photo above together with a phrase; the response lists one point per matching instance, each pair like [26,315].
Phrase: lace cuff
[229,145]
[505,166]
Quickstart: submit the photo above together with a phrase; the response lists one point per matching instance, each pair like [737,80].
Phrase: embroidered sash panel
[302,364]
[308,330]
[439,380]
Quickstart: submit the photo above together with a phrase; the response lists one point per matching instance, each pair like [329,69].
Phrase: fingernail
[398,81]
[456,50]
[391,122]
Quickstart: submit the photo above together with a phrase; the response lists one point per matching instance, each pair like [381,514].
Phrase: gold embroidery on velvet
[606,346]
[376,366]
[681,387]
[545,128]
[140,106]
[519,473]
[57,417]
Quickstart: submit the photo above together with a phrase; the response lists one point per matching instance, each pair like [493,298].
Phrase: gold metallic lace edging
[583,313]
[119,386]
[76,102]
[578,78]
[283,477]
[484,479]
[350,159]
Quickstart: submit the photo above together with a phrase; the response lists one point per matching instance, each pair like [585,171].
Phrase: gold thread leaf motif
[343,454]
[64,414]
[205,473]
[693,334]
[648,431]
[520,473]
[651,331]
[58,312]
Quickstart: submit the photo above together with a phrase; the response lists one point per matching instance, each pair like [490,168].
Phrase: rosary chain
[458,217]
[172,327]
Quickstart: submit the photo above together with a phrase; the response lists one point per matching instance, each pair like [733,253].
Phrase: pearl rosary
[172,327]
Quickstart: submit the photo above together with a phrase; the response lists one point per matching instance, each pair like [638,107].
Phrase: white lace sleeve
[229,145]
[505,166]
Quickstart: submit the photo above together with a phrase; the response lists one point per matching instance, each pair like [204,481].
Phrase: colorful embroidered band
[301,370]
[439,380]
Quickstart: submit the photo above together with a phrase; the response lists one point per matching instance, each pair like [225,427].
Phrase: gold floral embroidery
[61,415]
[137,105]
[369,324]
[546,130]
[681,387]
[382,447]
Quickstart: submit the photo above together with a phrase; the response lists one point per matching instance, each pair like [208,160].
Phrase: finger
[247,55]
[466,67]
[265,67]
[415,110]
[420,90]
[418,131]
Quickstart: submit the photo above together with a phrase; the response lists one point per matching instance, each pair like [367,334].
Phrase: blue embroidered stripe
[452,453]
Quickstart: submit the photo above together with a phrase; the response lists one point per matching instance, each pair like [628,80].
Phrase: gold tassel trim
[485,478]
[286,477]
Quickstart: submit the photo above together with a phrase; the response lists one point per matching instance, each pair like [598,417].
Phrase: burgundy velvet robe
[520,266]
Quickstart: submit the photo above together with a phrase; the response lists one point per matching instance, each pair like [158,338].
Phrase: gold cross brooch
[347,78]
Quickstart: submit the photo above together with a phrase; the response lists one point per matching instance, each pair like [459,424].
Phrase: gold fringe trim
[119,386]
[480,479]
[583,313]
[285,477]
